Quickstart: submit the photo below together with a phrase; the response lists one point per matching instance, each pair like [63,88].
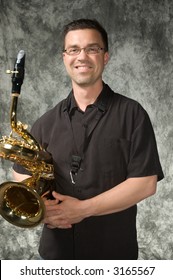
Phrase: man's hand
[63,211]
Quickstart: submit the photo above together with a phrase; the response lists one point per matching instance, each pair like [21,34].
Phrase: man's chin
[83,83]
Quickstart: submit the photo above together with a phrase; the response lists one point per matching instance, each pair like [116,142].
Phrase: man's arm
[19,177]
[123,196]
[120,197]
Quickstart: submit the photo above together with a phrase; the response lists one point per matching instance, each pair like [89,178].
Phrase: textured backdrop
[141,48]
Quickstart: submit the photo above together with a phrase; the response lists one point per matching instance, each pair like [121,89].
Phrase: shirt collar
[99,103]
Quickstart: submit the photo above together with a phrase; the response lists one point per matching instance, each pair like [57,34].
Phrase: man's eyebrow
[89,45]
[73,46]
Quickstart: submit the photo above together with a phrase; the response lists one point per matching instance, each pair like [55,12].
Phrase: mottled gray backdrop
[141,67]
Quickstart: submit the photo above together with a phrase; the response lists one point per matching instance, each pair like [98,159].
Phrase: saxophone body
[21,203]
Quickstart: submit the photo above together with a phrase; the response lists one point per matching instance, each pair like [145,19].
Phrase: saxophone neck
[20,128]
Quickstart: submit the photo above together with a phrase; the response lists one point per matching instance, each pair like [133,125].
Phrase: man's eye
[73,50]
[92,49]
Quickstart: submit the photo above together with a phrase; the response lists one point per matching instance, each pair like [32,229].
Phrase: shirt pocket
[114,153]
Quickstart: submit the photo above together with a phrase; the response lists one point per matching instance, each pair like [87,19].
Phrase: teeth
[82,67]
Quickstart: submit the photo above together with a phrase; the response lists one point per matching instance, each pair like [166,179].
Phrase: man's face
[84,69]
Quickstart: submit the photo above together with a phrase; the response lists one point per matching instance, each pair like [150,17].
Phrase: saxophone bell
[21,205]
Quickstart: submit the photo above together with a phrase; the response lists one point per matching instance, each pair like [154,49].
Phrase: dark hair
[86,24]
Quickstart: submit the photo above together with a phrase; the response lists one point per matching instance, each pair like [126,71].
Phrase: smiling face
[85,69]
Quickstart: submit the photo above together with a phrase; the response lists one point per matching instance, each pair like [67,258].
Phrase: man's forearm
[121,197]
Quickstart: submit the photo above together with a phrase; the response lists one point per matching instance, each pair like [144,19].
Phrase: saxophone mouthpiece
[18,72]
[20,55]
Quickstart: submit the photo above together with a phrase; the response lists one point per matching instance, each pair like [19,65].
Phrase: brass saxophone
[21,203]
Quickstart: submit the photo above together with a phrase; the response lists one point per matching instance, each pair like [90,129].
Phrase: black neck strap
[78,156]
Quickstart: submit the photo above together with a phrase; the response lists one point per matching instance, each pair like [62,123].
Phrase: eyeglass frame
[85,50]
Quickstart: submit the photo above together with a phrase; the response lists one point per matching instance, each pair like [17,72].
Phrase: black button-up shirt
[115,140]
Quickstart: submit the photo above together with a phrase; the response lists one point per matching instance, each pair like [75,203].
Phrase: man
[105,158]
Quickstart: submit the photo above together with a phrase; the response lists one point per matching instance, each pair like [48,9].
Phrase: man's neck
[85,96]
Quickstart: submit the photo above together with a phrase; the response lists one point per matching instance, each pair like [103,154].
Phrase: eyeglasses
[88,50]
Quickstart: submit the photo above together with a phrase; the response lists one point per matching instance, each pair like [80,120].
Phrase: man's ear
[106,58]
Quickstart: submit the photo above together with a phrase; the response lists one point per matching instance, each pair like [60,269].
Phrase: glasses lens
[92,50]
[73,51]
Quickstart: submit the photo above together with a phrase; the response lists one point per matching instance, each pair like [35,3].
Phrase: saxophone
[22,203]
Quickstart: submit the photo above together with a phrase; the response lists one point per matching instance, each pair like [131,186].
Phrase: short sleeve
[144,158]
